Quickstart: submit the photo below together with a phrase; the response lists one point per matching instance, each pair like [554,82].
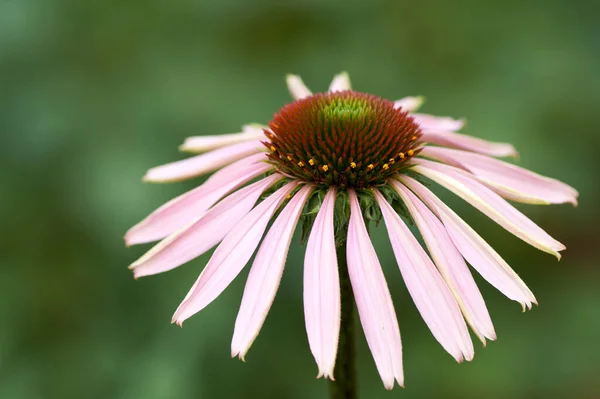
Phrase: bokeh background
[92,93]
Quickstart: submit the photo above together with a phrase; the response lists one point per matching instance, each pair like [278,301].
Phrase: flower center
[342,138]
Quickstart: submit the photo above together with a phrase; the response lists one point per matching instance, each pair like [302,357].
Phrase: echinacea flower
[332,160]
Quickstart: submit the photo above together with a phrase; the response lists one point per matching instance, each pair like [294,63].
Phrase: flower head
[333,161]
[344,139]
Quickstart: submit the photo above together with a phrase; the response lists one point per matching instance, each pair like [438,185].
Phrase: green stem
[344,386]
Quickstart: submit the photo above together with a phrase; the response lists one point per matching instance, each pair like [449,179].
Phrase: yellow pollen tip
[273,148]
[352,165]
[325,168]
[311,162]
[411,153]
[301,164]
[391,161]
[401,155]
[385,166]
[370,166]
[413,138]
[288,196]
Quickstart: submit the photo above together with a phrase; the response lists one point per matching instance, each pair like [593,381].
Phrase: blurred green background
[92,93]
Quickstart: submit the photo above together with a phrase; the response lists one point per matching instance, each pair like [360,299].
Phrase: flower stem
[344,386]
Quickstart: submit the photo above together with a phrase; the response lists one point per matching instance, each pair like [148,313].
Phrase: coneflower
[335,161]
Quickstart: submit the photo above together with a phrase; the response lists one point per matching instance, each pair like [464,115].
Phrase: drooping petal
[297,88]
[265,274]
[322,305]
[199,144]
[450,263]
[427,287]
[340,82]
[176,213]
[490,203]
[231,256]
[373,300]
[510,181]
[410,104]
[469,143]
[474,249]
[201,164]
[441,123]
[203,233]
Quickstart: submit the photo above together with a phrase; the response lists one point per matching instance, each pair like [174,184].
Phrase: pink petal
[206,143]
[265,274]
[340,82]
[510,181]
[203,233]
[475,250]
[201,164]
[443,123]
[450,264]
[490,203]
[178,212]
[427,287]
[322,289]
[373,300]
[297,88]
[231,255]
[469,143]
[410,104]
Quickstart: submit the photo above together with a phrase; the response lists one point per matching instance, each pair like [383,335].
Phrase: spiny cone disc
[343,138]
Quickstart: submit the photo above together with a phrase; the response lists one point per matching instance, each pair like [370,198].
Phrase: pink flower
[350,155]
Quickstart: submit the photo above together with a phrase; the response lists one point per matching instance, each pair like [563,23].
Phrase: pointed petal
[231,256]
[322,307]
[373,300]
[198,144]
[474,249]
[297,88]
[450,264]
[201,164]
[410,104]
[265,274]
[510,181]
[469,143]
[490,203]
[427,287]
[176,213]
[340,82]
[442,123]
[203,233]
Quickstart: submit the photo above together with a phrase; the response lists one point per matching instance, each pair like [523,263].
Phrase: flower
[331,160]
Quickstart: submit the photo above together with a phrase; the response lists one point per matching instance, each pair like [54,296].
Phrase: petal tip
[469,356]
[178,322]
[388,385]
[177,319]
[185,147]
[137,274]
[340,82]
[419,101]
[574,202]
[151,177]
[127,240]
